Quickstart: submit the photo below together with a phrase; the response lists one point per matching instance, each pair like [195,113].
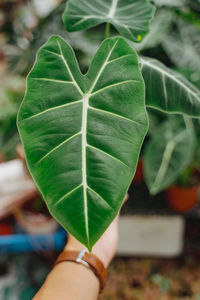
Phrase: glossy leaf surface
[168,90]
[167,154]
[131,17]
[82,133]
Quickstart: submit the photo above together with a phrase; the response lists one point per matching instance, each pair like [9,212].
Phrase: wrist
[74,245]
[86,259]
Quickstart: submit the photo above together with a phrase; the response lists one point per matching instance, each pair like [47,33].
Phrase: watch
[87,259]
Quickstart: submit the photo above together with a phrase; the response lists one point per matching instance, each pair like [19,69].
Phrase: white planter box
[151,235]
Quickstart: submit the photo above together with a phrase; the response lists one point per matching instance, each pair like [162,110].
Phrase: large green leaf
[167,154]
[131,17]
[168,90]
[82,134]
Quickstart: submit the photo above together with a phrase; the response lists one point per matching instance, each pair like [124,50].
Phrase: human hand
[106,246]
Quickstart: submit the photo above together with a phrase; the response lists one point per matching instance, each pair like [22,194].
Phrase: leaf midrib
[84,138]
[112,9]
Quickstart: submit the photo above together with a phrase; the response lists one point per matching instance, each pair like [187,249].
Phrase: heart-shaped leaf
[131,17]
[82,134]
[168,90]
[167,154]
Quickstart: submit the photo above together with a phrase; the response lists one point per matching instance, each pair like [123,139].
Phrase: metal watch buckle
[80,256]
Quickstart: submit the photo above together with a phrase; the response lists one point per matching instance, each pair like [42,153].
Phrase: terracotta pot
[1,157]
[35,223]
[182,199]
[139,174]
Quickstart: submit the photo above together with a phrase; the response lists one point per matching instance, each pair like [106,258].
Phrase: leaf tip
[90,248]
[153,191]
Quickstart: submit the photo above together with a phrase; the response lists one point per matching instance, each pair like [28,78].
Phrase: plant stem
[107,31]
[188,123]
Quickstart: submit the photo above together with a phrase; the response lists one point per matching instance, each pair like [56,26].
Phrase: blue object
[32,242]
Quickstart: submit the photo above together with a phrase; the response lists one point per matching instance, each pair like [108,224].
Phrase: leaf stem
[188,123]
[107,31]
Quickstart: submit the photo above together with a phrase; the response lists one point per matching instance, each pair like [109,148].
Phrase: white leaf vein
[106,153]
[53,80]
[113,114]
[119,58]
[68,194]
[99,196]
[167,74]
[58,146]
[113,7]
[113,85]
[68,69]
[53,108]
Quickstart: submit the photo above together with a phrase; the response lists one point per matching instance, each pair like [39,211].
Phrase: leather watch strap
[87,259]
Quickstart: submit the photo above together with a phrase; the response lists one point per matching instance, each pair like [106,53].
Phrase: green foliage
[168,153]
[11,92]
[131,17]
[82,134]
[168,90]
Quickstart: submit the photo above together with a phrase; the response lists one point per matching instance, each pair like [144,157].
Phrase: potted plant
[33,217]
[183,195]
[182,199]
[83,134]
[171,162]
